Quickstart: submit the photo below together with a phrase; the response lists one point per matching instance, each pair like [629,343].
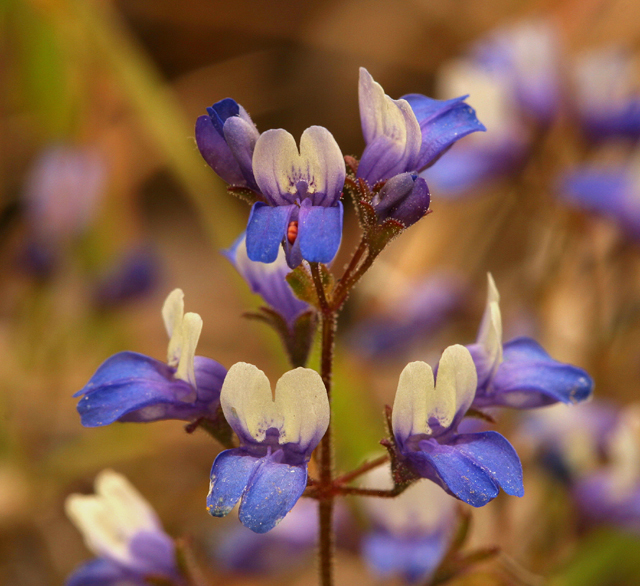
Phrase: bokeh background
[84,269]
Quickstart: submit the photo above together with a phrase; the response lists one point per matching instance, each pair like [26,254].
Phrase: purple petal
[442,123]
[241,136]
[404,197]
[102,572]
[266,229]
[320,232]
[472,467]
[133,387]
[413,558]
[267,280]
[230,474]
[154,553]
[216,152]
[530,378]
[271,493]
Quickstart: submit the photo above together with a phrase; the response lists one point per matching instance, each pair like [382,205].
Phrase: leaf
[301,283]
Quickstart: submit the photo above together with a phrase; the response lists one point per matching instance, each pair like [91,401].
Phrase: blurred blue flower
[527,55]
[520,374]
[62,195]
[607,93]
[134,387]
[409,134]
[302,190]
[487,156]
[613,192]
[122,529]
[426,414]
[226,138]
[136,275]
[268,472]
[414,316]
[267,280]
[284,547]
[411,533]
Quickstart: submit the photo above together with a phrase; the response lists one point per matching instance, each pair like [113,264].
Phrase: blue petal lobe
[320,232]
[413,558]
[472,467]
[442,123]
[230,474]
[154,553]
[530,378]
[271,493]
[265,231]
[215,151]
[102,572]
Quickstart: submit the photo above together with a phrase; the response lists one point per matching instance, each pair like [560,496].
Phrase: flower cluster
[270,436]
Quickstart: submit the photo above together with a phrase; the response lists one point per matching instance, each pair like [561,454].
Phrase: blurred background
[106,206]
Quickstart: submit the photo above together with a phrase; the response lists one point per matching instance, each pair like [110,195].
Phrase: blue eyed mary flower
[607,93]
[302,190]
[134,387]
[610,191]
[226,138]
[411,532]
[409,134]
[426,414]
[520,373]
[267,280]
[123,531]
[268,472]
[611,495]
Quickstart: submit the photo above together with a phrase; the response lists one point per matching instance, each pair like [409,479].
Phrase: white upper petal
[382,116]
[418,400]
[109,519]
[184,332]
[172,312]
[420,510]
[278,166]
[490,332]
[299,411]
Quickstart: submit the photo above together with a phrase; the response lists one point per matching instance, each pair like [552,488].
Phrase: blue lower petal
[442,123]
[530,378]
[272,491]
[320,232]
[136,388]
[230,474]
[413,558]
[266,230]
[472,467]
[101,572]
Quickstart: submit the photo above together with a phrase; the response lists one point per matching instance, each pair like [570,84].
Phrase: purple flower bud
[404,197]
[226,138]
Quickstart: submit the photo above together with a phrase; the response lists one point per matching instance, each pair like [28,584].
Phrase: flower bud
[404,197]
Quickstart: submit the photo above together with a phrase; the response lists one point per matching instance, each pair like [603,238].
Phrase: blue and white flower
[520,373]
[486,156]
[409,134]
[607,93]
[278,433]
[123,531]
[302,190]
[426,414]
[267,280]
[411,533]
[134,387]
[226,138]
[611,191]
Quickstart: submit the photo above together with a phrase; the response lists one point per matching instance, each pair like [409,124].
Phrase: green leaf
[301,283]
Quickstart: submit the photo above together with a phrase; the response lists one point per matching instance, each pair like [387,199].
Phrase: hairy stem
[346,478]
[325,483]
